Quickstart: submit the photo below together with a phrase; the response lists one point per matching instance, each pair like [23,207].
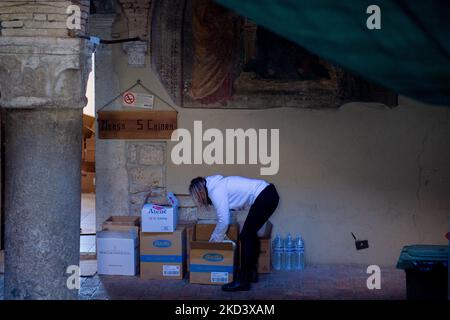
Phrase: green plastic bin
[426,268]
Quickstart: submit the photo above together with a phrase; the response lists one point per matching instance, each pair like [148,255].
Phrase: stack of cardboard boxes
[169,248]
[163,242]
[88,155]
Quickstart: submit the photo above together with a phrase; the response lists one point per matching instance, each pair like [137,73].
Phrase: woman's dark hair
[198,191]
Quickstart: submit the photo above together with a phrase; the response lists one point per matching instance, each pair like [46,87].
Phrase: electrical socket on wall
[360,244]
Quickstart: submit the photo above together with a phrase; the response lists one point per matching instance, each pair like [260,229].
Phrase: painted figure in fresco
[225,45]
[216,38]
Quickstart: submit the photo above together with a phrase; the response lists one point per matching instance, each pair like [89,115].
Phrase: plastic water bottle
[289,253]
[277,253]
[299,253]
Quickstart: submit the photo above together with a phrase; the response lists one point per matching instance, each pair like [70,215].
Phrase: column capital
[43,72]
[136,51]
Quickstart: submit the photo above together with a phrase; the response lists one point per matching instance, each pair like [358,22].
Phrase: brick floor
[315,282]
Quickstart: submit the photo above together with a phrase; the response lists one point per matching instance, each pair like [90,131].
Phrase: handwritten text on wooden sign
[136,124]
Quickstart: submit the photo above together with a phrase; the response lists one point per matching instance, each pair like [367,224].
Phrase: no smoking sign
[139,100]
[129,99]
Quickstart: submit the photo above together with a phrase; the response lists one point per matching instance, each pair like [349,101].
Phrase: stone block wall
[146,173]
[40,18]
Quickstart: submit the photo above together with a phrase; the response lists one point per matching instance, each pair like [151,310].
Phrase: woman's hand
[214,239]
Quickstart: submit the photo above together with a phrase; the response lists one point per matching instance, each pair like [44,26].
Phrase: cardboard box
[264,264]
[265,256]
[213,262]
[122,223]
[90,143]
[89,155]
[189,226]
[203,231]
[117,253]
[265,250]
[88,166]
[163,255]
[87,182]
[89,149]
[160,217]
[88,126]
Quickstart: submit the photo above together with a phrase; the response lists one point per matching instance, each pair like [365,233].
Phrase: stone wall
[39,18]
[146,173]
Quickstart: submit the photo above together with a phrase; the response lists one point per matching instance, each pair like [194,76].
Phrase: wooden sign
[136,124]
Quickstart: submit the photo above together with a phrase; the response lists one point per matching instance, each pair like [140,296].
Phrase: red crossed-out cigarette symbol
[129,98]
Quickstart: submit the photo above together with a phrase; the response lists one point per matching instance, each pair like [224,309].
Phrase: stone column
[42,86]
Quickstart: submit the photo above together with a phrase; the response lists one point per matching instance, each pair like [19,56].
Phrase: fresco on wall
[215,41]
[209,57]
[226,56]
[272,57]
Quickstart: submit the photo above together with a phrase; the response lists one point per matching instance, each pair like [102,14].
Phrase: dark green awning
[410,54]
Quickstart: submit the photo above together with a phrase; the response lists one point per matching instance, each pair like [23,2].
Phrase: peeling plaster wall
[381,173]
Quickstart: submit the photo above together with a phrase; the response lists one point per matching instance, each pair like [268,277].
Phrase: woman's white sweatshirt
[227,193]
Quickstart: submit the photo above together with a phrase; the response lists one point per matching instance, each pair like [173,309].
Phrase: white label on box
[156,218]
[219,277]
[171,271]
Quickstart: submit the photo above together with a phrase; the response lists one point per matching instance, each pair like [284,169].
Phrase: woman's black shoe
[254,276]
[236,286]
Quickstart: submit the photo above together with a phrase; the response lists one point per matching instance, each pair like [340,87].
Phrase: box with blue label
[213,263]
[160,217]
[163,255]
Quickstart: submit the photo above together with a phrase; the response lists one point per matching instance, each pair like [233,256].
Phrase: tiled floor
[87,240]
[315,282]
[87,244]
[88,213]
